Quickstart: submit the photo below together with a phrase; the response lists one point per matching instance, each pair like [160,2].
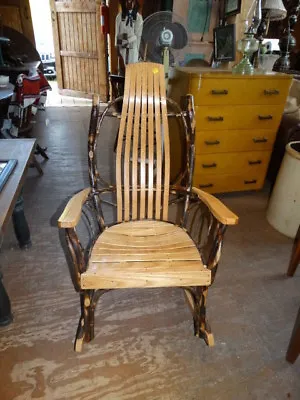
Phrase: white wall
[41,18]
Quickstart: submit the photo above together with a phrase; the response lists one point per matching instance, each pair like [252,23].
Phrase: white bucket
[284,206]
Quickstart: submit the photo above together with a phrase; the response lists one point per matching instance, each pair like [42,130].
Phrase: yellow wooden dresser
[237,118]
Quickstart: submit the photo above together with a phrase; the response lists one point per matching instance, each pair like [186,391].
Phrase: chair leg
[85,330]
[293,350]
[202,328]
[196,298]
[295,257]
[37,165]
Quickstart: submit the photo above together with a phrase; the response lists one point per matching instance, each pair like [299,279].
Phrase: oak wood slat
[79,54]
[101,47]
[90,77]
[143,81]
[105,253]
[85,50]
[70,33]
[70,48]
[158,143]
[135,146]
[120,145]
[77,34]
[127,150]
[80,48]
[150,144]
[166,145]
[130,275]
[145,266]
[116,240]
[150,248]
[143,141]
[75,6]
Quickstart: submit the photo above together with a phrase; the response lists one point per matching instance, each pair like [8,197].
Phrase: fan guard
[162,29]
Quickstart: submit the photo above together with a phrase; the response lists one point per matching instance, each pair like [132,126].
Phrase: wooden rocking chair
[143,248]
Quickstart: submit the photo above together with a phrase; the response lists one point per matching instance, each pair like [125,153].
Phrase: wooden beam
[113,11]
[59,75]
[102,48]
[75,93]
[26,20]
[75,6]
[66,53]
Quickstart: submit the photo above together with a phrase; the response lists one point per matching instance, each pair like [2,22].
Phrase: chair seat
[146,253]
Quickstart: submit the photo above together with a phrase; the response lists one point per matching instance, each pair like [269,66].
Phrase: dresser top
[223,73]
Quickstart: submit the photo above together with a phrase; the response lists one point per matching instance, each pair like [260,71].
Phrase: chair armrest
[217,208]
[71,214]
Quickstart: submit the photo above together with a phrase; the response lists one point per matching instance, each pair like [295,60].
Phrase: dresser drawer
[238,117]
[236,140]
[238,90]
[232,163]
[229,183]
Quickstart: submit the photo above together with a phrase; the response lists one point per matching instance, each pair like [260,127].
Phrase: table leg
[293,350]
[5,309]
[20,224]
[295,257]
[42,151]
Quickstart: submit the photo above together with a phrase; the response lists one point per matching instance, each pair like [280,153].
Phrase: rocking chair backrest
[143,148]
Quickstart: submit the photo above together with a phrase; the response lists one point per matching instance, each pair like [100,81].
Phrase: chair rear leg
[295,257]
[294,345]
[202,328]
[85,330]
[196,298]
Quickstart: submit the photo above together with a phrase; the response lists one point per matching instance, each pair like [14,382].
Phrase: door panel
[16,14]
[80,48]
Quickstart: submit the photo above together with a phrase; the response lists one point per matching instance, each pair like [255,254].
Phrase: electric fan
[163,39]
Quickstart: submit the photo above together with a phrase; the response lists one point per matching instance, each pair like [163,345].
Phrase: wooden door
[80,48]
[16,14]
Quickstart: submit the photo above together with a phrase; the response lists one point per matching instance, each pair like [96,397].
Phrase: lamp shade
[275,8]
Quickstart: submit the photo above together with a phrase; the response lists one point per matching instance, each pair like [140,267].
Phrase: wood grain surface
[144,254]
[21,150]
[144,347]
[143,163]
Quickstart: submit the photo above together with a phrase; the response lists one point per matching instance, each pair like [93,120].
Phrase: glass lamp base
[244,67]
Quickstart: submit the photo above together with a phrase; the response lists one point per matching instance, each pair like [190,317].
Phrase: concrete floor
[54,99]
[144,346]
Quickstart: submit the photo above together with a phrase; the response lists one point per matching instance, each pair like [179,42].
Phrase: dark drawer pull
[209,143]
[254,162]
[213,165]
[260,140]
[250,182]
[271,92]
[209,185]
[219,92]
[215,119]
[265,117]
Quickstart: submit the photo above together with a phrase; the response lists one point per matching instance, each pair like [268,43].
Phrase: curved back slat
[150,144]
[143,148]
